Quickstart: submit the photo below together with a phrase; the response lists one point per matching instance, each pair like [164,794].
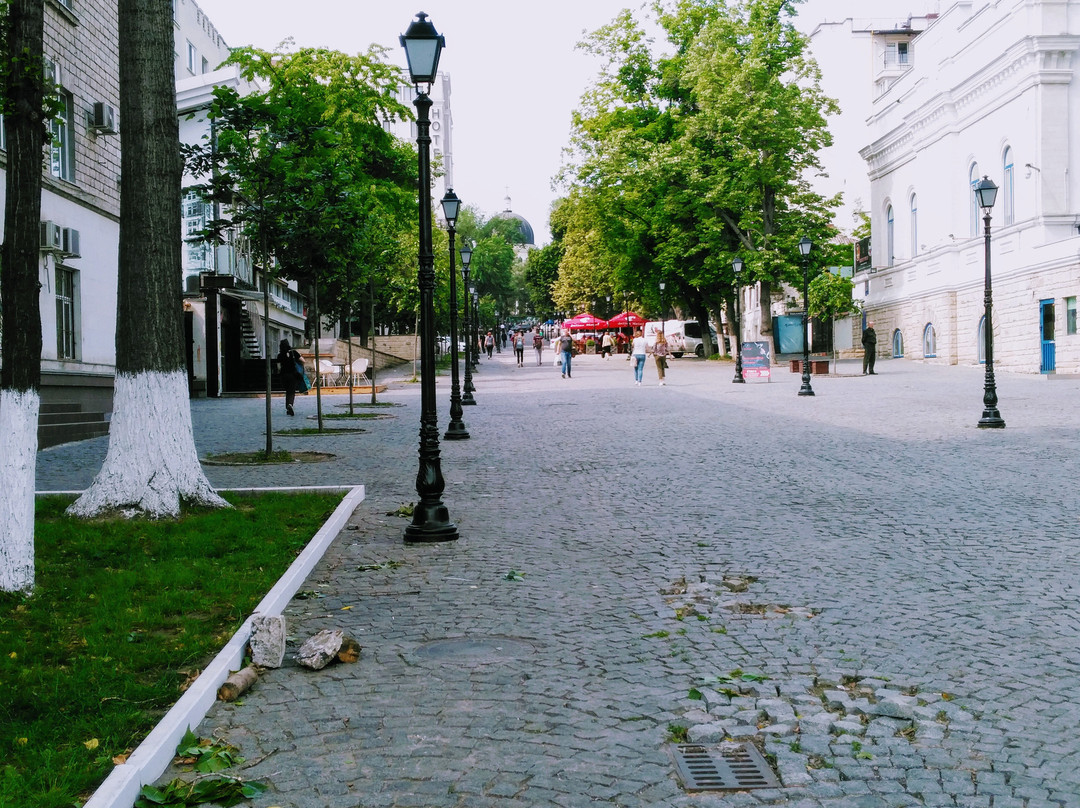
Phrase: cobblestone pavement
[876,592]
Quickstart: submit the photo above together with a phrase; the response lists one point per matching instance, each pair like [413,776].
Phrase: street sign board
[756,360]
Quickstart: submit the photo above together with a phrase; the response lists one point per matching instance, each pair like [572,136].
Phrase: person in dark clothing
[289,364]
[869,344]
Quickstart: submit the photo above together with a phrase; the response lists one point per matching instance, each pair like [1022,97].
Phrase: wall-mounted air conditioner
[51,238]
[103,119]
[69,242]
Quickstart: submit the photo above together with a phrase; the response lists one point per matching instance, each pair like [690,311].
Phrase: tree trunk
[20,265]
[151,466]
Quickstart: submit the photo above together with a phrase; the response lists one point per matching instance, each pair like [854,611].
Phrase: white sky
[515,73]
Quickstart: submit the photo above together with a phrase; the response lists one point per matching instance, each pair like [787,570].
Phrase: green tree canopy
[679,163]
[310,171]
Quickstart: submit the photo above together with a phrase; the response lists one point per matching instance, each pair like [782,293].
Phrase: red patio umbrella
[626,319]
[584,320]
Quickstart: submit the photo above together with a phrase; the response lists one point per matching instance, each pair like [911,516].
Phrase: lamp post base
[806,389]
[456,430]
[430,524]
[467,399]
[991,419]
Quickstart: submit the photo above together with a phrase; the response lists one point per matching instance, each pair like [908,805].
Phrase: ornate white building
[990,90]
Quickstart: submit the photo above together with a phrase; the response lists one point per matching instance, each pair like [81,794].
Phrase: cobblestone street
[880,595]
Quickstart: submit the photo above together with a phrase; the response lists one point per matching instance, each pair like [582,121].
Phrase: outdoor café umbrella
[584,320]
[626,320]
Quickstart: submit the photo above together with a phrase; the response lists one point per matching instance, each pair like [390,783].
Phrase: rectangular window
[1070,315]
[902,53]
[192,58]
[3,134]
[62,156]
[65,313]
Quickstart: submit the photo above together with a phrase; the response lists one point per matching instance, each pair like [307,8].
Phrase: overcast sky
[515,73]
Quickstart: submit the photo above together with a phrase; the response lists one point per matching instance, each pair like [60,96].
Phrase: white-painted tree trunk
[18,469]
[151,466]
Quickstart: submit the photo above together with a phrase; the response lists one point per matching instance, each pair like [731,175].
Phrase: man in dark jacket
[869,344]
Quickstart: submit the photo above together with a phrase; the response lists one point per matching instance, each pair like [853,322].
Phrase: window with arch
[1008,187]
[897,344]
[929,341]
[973,205]
[890,237]
[914,225]
[981,337]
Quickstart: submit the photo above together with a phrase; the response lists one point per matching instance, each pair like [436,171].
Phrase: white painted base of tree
[151,466]
[18,469]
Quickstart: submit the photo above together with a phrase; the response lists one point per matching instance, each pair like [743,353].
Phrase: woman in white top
[637,351]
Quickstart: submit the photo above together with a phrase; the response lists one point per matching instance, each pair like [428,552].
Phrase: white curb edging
[153,756]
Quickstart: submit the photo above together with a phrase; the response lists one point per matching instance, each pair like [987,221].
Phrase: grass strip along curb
[153,756]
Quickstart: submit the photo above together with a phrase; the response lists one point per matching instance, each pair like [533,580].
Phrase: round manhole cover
[474,649]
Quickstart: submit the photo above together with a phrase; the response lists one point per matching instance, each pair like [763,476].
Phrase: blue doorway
[1046,332]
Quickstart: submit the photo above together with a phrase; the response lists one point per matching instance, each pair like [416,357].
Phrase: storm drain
[731,768]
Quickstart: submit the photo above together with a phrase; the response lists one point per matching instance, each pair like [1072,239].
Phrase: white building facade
[80,210]
[989,91]
[224,302]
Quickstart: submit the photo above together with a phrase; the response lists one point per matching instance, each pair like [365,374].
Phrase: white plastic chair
[328,373]
[358,372]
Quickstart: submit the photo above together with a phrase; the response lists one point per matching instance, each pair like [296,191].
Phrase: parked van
[684,336]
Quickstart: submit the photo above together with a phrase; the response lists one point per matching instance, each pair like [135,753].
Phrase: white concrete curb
[155,753]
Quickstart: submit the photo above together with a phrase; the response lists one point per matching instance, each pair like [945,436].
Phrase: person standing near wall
[869,344]
[291,371]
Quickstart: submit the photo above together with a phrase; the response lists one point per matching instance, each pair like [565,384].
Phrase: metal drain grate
[731,768]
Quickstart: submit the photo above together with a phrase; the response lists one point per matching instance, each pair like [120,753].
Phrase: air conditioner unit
[103,119]
[69,242]
[51,239]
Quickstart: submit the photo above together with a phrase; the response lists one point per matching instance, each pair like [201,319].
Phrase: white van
[684,336]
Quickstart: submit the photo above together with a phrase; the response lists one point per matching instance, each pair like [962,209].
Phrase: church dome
[525,230]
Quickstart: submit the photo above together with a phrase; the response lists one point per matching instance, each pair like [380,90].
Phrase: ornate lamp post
[455,430]
[431,519]
[737,267]
[476,326]
[466,331]
[805,246]
[986,195]
[663,311]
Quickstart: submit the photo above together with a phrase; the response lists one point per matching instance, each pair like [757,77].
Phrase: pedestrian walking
[489,343]
[637,351]
[606,344]
[566,350]
[869,344]
[538,346]
[291,370]
[661,351]
[519,348]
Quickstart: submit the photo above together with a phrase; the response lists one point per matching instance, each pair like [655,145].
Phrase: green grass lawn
[123,614]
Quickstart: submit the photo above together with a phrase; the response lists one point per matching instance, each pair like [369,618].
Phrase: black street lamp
[663,310]
[455,430]
[737,267]
[466,331]
[805,246]
[986,195]
[431,519]
[476,326]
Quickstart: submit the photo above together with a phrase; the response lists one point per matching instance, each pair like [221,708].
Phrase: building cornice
[1031,62]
